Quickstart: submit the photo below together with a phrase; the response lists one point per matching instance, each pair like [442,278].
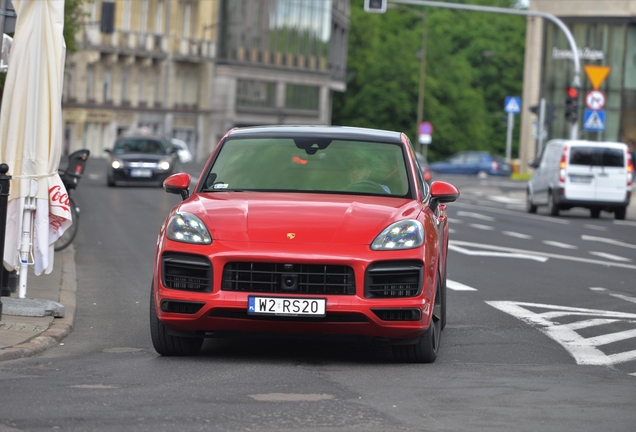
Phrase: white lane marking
[620,222]
[516,234]
[93,176]
[458,243]
[584,350]
[608,241]
[482,227]
[456,286]
[476,216]
[453,220]
[624,297]
[595,227]
[451,231]
[495,254]
[611,338]
[590,323]
[598,289]
[516,214]
[506,200]
[609,256]
[559,244]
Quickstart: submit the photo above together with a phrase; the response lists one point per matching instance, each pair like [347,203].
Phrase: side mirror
[533,163]
[109,151]
[442,192]
[178,184]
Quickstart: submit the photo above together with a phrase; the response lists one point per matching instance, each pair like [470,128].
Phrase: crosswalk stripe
[456,286]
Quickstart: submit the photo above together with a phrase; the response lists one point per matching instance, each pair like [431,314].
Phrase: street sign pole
[511,125]
[541,127]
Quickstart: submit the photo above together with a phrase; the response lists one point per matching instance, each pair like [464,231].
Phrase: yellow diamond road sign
[597,74]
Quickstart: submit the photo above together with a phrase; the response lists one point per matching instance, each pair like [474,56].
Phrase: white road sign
[595,100]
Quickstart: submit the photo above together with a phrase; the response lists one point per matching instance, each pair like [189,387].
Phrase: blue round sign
[426,128]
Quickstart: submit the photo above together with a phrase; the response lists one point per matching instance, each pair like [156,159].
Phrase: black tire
[595,213]
[110,182]
[620,213]
[166,344]
[426,348]
[531,208]
[553,208]
[69,235]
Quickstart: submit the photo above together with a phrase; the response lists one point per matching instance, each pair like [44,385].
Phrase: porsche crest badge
[291,236]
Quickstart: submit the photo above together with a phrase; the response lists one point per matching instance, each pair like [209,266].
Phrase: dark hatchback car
[136,160]
[481,164]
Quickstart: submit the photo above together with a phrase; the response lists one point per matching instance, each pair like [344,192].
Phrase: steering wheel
[366,186]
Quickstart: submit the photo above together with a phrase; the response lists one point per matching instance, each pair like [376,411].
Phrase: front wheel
[166,344]
[69,235]
[426,348]
[530,207]
[553,207]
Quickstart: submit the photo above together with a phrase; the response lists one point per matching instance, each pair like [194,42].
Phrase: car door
[454,163]
[473,163]
[610,175]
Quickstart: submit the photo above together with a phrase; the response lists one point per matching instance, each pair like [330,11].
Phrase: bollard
[4,197]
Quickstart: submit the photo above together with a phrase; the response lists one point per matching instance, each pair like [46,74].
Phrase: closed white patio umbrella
[31,138]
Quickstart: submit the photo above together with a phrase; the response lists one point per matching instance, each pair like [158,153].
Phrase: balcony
[194,50]
[130,43]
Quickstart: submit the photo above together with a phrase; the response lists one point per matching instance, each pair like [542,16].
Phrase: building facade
[193,69]
[605,34]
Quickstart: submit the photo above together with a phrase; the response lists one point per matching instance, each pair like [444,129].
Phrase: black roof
[339,132]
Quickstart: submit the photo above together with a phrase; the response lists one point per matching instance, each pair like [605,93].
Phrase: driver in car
[360,170]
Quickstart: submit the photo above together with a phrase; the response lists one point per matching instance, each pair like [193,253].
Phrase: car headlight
[187,228]
[117,164]
[406,234]
[164,165]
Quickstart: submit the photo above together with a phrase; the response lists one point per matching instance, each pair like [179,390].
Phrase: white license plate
[141,173]
[580,179]
[286,306]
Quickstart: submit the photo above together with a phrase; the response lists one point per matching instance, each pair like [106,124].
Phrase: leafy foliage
[473,61]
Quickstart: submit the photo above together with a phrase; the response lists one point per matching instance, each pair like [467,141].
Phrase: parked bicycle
[71,177]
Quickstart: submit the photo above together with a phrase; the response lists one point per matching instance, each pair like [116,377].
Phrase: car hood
[139,157]
[319,218]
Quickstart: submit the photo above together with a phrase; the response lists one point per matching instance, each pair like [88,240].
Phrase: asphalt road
[541,336]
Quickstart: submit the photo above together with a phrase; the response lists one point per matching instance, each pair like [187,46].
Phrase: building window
[143,27]
[187,8]
[141,99]
[89,83]
[125,74]
[127,14]
[68,85]
[157,87]
[106,89]
[259,94]
[301,97]
[159,18]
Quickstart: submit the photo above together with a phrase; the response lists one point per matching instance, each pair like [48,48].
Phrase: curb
[61,327]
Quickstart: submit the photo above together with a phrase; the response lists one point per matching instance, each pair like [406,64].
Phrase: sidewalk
[24,336]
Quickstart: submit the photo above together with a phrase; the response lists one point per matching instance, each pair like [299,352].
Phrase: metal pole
[541,127]
[5,186]
[576,79]
[420,96]
[511,125]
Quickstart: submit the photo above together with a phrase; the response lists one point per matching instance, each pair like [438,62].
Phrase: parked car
[182,150]
[304,230]
[427,174]
[479,163]
[141,159]
[576,173]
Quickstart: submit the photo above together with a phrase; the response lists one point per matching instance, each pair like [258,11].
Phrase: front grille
[187,272]
[393,279]
[289,278]
[398,314]
[182,307]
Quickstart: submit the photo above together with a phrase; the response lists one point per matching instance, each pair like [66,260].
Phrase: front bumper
[222,310]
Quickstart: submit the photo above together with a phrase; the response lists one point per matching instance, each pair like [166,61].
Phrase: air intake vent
[289,278]
[393,279]
[398,314]
[181,307]
[187,272]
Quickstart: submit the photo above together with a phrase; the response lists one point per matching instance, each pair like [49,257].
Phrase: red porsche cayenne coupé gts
[307,230]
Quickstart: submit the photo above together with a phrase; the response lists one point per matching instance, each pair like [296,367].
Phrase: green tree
[474,60]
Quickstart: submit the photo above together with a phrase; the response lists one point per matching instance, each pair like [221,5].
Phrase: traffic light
[572,104]
[375,6]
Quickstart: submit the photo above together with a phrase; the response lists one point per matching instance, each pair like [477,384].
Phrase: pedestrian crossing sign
[512,105]
[594,120]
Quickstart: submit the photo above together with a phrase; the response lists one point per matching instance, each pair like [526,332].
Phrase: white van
[577,173]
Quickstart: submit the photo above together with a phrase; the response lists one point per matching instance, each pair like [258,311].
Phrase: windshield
[139,145]
[285,164]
